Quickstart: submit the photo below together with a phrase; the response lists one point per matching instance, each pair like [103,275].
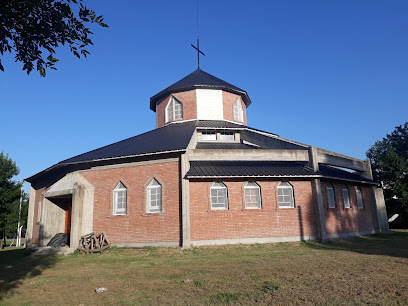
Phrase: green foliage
[30,27]
[389,162]
[223,298]
[269,286]
[9,191]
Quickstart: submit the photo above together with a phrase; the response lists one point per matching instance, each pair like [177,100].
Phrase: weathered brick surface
[229,100]
[346,220]
[137,225]
[238,222]
[189,100]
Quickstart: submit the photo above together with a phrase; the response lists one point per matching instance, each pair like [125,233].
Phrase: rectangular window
[120,202]
[119,199]
[154,197]
[359,199]
[219,198]
[252,198]
[330,197]
[155,200]
[346,198]
[285,195]
[227,136]
[209,135]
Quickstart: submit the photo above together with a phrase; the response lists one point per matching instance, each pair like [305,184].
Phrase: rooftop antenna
[198,43]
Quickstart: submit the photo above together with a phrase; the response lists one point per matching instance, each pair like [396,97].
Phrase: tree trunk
[4,238]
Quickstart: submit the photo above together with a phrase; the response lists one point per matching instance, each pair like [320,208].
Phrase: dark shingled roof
[199,79]
[333,172]
[216,169]
[171,137]
[224,169]
[224,146]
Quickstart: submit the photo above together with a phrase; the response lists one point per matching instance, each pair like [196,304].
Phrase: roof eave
[59,165]
[280,176]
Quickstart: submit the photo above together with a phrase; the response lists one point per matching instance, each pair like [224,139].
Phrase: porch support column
[30,219]
[185,202]
[318,197]
[377,200]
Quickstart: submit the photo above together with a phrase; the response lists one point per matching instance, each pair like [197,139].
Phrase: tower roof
[202,80]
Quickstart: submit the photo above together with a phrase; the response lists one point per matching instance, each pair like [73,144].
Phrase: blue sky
[333,74]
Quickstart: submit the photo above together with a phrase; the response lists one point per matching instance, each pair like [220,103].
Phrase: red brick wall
[189,100]
[229,100]
[137,225]
[347,220]
[238,222]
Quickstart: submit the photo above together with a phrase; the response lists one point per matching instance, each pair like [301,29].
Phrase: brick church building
[204,177]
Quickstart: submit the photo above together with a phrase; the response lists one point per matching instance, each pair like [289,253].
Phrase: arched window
[154,197]
[238,112]
[346,196]
[252,195]
[285,195]
[119,199]
[219,198]
[359,195]
[174,110]
[330,196]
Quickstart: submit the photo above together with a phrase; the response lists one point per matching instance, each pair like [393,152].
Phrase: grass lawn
[365,270]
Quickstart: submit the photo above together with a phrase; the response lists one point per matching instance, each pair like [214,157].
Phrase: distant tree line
[389,162]
[10,192]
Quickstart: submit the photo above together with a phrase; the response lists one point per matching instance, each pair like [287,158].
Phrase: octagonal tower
[200,95]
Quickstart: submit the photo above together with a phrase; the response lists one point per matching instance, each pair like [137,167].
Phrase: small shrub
[199,283]
[223,298]
[269,286]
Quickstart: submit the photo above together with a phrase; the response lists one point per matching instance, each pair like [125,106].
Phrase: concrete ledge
[252,240]
[52,251]
[143,244]
[348,235]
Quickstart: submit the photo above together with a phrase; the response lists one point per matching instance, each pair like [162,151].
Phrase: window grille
[227,136]
[174,110]
[154,197]
[208,135]
[119,199]
[219,199]
[285,195]
[252,195]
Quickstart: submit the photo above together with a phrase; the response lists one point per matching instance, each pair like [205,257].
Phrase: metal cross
[198,52]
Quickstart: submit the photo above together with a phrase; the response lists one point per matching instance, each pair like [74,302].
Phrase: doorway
[64,202]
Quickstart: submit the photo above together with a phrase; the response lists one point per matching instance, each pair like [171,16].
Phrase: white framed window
[330,196]
[174,109]
[285,195]
[119,199]
[227,136]
[238,112]
[359,194]
[346,196]
[208,135]
[252,195]
[154,197]
[219,197]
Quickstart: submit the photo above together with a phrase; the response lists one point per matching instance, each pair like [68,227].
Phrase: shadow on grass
[18,264]
[394,243]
